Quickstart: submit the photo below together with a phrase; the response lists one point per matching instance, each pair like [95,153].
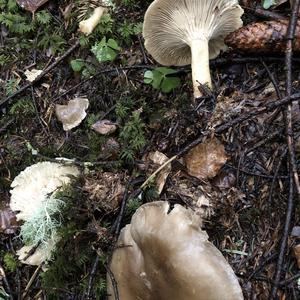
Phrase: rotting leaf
[159,159]
[8,221]
[105,127]
[224,180]
[206,159]
[73,113]
[31,5]
[297,254]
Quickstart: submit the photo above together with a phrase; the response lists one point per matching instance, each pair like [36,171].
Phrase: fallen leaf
[72,114]
[31,5]
[297,254]
[224,180]
[104,127]
[206,159]
[33,74]
[159,159]
[8,221]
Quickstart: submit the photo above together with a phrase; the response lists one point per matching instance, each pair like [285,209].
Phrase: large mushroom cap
[166,256]
[170,26]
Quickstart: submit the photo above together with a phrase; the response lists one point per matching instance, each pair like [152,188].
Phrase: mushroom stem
[87,26]
[200,65]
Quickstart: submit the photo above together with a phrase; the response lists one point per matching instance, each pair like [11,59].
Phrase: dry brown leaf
[105,127]
[297,254]
[159,159]
[206,159]
[31,5]
[8,221]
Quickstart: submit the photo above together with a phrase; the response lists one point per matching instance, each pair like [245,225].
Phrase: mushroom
[165,255]
[182,32]
[87,26]
[73,113]
[33,197]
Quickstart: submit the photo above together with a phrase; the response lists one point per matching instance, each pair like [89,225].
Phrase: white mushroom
[32,187]
[165,255]
[33,197]
[182,32]
[72,114]
[87,26]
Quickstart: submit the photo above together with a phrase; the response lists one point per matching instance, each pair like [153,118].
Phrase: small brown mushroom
[182,32]
[165,255]
[73,113]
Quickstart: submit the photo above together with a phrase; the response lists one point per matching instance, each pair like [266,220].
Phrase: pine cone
[263,37]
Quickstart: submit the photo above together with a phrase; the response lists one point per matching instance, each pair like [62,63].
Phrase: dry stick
[92,275]
[3,277]
[219,129]
[292,163]
[30,282]
[113,282]
[45,72]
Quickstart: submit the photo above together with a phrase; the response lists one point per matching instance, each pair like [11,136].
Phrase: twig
[45,72]
[113,282]
[4,278]
[30,282]
[292,158]
[92,275]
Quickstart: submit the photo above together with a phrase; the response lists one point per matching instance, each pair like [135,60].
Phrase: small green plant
[268,3]
[22,107]
[132,137]
[160,80]
[132,206]
[10,262]
[77,65]
[127,30]
[12,85]
[106,50]
[4,59]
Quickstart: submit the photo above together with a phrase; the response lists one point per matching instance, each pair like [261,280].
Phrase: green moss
[10,262]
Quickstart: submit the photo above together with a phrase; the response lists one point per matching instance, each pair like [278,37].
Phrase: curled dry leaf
[8,221]
[105,127]
[73,113]
[32,74]
[297,254]
[159,159]
[31,5]
[224,180]
[206,159]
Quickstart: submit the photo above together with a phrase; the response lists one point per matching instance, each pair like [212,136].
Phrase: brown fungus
[165,255]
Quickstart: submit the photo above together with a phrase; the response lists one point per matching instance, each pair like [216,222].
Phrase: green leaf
[157,79]
[148,77]
[169,83]
[113,44]
[166,71]
[268,3]
[77,65]
[105,51]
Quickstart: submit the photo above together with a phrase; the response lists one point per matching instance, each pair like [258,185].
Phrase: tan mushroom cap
[170,26]
[166,256]
[72,114]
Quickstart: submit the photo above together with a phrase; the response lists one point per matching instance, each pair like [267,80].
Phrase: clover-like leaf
[106,50]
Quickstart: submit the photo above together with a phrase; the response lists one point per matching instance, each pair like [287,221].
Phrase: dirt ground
[253,211]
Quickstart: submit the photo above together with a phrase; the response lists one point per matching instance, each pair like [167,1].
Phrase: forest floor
[249,198]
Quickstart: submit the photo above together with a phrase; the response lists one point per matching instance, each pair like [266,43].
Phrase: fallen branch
[45,72]
[294,178]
